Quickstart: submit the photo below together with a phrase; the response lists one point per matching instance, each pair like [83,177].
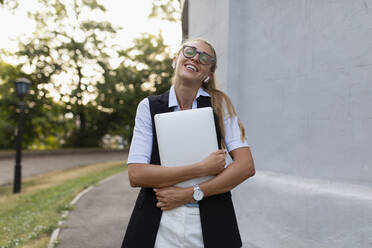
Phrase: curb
[54,237]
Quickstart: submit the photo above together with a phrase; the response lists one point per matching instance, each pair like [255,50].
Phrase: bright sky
[131,15]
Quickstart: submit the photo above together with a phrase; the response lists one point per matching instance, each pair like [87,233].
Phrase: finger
[219,151]
[165,208]
[160,194]
[160,204]
[161,199]
[222,151]
[158,190]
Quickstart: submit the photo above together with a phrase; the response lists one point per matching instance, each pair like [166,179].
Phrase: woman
[202,215]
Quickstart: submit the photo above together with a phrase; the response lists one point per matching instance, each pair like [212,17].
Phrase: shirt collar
[172,101]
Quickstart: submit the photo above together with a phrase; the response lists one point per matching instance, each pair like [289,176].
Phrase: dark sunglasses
[190,51]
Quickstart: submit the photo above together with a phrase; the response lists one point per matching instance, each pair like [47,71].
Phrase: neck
[186,93]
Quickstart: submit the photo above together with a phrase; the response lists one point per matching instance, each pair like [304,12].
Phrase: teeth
[191,67]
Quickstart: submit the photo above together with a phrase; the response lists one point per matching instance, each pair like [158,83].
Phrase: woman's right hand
[214,164]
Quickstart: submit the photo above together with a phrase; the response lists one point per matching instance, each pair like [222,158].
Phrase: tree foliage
[76,97]
[10,4]
[169,10]
[145,69]
[8,74]
[70,44]
[42,122]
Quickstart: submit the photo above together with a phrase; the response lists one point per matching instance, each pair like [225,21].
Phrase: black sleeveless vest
[218,220]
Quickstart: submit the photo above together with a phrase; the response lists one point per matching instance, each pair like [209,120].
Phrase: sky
[131,15]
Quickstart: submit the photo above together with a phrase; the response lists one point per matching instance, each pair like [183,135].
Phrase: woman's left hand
[172,197]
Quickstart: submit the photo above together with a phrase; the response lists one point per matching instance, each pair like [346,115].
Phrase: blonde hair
[218,97]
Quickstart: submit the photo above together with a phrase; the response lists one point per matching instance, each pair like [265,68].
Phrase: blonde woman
[199,216]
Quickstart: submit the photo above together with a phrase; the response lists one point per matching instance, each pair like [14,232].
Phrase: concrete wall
[305,92]
[213,29]
[300,75]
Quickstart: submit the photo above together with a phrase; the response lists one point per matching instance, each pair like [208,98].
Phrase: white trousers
[180,228]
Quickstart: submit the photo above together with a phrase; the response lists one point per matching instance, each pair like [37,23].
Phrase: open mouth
[191,67]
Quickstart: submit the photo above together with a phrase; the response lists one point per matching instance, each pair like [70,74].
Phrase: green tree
[42,122]
[8,74]
[76,97]
[146,69]
[169,10]
[10,4]
[67,54]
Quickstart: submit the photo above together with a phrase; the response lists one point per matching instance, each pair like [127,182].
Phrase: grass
[28,219]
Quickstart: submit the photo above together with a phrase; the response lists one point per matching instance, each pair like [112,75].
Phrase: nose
[196,58]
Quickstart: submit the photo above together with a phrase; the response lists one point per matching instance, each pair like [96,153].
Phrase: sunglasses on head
[190,51]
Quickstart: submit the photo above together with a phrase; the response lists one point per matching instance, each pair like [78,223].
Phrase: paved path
[284,211]
[274,210]
[100,217]
[41,164]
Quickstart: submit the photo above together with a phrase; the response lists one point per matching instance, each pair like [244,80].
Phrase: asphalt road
[37,165]
[100,217]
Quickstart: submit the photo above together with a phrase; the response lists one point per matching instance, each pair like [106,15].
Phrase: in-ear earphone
[206,80]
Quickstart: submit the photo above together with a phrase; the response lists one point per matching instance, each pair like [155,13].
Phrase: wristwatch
[198,193]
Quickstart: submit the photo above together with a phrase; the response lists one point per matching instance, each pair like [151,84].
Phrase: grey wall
[300,75]
[214,28]
[305,91]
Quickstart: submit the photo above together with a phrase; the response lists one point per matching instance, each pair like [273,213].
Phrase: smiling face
[191,69]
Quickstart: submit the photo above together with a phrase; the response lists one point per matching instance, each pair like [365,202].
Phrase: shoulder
[143,104]
[228,111]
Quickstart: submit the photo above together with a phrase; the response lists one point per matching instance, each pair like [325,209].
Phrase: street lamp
[22,86]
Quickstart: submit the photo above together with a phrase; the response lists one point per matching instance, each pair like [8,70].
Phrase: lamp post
[22,86]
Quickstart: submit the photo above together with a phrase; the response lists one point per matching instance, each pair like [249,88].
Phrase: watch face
[198,195]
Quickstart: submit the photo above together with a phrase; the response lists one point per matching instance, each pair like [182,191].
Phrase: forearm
[233,175]
[155,176]
[239,170]
[171,197]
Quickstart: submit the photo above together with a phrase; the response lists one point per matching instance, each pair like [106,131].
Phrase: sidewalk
[100,217]
[274,210]
[36,165]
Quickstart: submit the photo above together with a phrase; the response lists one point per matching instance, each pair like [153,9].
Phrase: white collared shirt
[141,146]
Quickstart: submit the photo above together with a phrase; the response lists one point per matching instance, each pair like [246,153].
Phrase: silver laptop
[186,137]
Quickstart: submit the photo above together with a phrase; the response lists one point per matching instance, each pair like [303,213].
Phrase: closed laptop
[186,137]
